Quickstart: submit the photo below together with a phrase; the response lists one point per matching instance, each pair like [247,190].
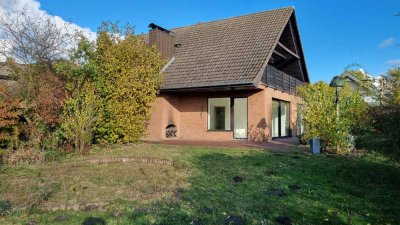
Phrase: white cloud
[388,42]
[394,62]
[32,8]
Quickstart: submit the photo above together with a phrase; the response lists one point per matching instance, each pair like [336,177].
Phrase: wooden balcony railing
[277,79]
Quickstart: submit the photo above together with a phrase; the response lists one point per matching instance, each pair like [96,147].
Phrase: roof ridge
[233,17]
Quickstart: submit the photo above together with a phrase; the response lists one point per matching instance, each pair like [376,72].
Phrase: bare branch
[32,39]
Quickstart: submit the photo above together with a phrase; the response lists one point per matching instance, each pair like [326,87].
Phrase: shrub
[53,140]
[80,114]
[9,116]
[25,154]
[128,80]
[5,207]
[319,115]
[384,131]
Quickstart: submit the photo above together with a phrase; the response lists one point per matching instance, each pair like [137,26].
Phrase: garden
[204,186]
[74,114]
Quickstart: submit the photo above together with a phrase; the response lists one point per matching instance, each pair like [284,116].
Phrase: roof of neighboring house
[4,71]
[226,52]
[356,83]
[5,76]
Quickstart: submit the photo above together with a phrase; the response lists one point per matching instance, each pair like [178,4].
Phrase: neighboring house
[5,75]
[368,90]
[229,79]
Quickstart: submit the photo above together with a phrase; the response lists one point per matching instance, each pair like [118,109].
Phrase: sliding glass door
[275,118]
[280,118]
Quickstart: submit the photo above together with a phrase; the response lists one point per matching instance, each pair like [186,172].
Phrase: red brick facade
[189,113]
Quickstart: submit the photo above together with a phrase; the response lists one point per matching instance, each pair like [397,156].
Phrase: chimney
[163,39]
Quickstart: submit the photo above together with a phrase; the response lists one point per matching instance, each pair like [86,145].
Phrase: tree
[32,39]
[319,115]
[37,43]
[128,79]
[383,130]
[79,117]
[81,108]
[392,86]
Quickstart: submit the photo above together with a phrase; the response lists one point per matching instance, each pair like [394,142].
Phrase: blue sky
[334,33]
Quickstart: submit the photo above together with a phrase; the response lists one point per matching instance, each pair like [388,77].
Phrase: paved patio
[281,144]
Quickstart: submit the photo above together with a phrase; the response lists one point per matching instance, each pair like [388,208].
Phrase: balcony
[279,80]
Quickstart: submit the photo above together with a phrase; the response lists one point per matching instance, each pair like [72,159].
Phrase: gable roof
[226,52]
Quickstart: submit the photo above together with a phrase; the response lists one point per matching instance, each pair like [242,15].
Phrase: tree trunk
[81,146]
[76,144]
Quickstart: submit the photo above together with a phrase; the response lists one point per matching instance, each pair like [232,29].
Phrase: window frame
[233,118]
[230,114]
[279,119]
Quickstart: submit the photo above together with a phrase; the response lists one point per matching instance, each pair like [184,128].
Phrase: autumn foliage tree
[37,44]
[112,85]
[128,79]
[10,111]
[101,91]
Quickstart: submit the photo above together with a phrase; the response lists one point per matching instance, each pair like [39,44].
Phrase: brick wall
[188,112]
[294,100]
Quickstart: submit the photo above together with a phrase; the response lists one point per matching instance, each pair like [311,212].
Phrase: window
[228,114]
[219,114]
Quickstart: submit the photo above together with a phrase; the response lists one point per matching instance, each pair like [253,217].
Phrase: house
[369,86]
[5,75]
[234,78]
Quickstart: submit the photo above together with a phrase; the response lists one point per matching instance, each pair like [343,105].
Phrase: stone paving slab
[282,144]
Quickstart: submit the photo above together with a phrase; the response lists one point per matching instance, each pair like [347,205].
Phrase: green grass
[200,188]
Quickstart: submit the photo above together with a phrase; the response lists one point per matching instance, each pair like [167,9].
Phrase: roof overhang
[243,86]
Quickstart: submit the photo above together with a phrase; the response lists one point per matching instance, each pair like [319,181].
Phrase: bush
[384,131]
[320,120]
[3,153]
[5,207]
[25,154]
[9,116]
[129,78]
[79,117]
[54,155]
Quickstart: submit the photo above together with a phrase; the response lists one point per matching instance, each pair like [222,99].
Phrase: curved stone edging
[133,159]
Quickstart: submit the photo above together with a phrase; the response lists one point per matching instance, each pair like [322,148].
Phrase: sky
[334,33]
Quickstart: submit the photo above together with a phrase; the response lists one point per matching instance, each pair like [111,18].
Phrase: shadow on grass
[317,190]
[380,143]
[93,221]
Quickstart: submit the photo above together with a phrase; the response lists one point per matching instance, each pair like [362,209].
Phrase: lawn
[204,186]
